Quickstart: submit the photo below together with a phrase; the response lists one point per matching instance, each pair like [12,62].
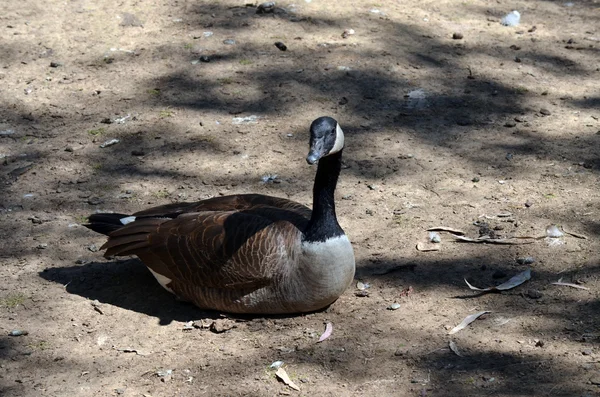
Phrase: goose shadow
[127,284]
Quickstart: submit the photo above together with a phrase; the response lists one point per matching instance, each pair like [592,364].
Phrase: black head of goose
[246,253]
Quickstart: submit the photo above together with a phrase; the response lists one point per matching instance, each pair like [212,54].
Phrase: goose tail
[107,223]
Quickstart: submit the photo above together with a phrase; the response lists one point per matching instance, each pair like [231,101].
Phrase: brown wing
[238,202]
[214,249]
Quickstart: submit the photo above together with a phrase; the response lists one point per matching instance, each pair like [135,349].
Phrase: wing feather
[215,249]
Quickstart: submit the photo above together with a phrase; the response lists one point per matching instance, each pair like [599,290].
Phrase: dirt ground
[440,131]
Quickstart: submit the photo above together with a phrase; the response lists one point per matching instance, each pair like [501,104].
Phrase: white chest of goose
[246,253]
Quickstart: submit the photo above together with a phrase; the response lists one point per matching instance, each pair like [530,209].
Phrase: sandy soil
[440,132]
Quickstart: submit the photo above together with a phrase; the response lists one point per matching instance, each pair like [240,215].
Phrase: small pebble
[545,112]
[534,294]
[527,260]
[276,365]
[511,19]
[528,204]
[95,201]
[18,332]
[509,156]
[595,380]
[266,7]
[518,60]
[42,246]
[229,41]
[394,306]
[55,64]
[587,352]
[204,58]
[457,36]
[510,124]
[281,46]
[93,248]
[434,237]
[347,32]
[475,179]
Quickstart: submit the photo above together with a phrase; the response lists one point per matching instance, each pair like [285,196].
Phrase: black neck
[323,222]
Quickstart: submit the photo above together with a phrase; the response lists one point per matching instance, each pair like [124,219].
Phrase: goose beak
[312,157]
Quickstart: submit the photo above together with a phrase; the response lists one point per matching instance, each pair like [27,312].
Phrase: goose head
[326,138]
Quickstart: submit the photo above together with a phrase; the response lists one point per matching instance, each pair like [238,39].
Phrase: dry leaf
[577,235]
[560,282]
[468,320]
[446,229]
[492,240]
[283,376]
[512,283]
[327,333]
[454,348]
[424,247]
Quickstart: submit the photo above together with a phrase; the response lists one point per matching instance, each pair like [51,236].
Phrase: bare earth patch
[495,131]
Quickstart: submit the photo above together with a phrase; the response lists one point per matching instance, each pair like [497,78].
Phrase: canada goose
[246,253]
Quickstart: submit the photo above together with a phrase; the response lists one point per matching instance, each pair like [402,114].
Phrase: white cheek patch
[162,280]
[339,140]
[127,220]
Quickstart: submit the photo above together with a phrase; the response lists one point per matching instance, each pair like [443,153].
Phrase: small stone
[266,7]
[544,93]
[55,64]
[475,179]
[95,201]
[539,343]
[509,156]
[510,124]
[42,246]
[373,187]
[457,36]
[518,60]
[394,306]
[281,46]
[93,248]
[528,204]
[18,332]
[137,152]
[515,47]
[527,260]
[229,41]
[69,149]
[204,58]
[545,112]
[369,211]
[347,32]
[520,119]
[222,325]
[595,380]
[534,294]
[587,352]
